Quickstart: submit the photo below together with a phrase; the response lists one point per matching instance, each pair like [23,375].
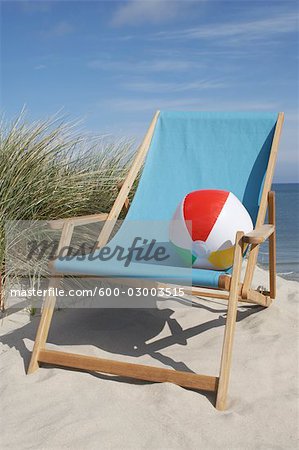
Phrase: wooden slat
[194,290]
[272,246]
[230,325]
[252,259]
[259,235]
[208,293]
[259,298]
[129,370]
[254,297]
[203,292]
[270,171]
[49,304]
[77,221]
[127,201]
[126,187]
[44,325]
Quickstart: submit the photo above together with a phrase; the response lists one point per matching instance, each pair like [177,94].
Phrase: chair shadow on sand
[123,332]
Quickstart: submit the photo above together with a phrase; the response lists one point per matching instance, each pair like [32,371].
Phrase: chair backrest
[203,150]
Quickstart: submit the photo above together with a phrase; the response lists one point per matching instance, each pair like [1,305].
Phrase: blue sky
[114,63]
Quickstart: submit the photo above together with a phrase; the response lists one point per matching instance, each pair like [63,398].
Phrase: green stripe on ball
[186,255]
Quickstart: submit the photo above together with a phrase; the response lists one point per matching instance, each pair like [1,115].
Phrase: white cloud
[40,67]
[252,29]
[152,87]
[155,65]
[191,104]
[62,28]
[137,12]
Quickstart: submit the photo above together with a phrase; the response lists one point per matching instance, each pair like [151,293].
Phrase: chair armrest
[76,221]
[259,235]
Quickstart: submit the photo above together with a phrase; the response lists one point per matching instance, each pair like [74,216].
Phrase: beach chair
[183,152]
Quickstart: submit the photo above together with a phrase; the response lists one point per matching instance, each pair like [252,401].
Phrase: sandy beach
[57,409]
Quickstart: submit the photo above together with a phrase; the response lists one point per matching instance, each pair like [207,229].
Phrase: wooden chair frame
[230,287]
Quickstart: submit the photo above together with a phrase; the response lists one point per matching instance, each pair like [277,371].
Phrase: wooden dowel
[129,370]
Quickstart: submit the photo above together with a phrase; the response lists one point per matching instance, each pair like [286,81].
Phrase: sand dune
[57,409]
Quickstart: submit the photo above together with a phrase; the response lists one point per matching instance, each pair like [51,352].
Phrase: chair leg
[44,325]
[272,246]
[50,300]
[230,326]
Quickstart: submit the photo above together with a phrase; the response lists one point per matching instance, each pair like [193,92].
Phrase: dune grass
[50,170]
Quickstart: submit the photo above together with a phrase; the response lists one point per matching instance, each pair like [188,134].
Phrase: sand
[62,409]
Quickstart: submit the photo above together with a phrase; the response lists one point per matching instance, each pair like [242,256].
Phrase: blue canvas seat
[189,151]
[172,272]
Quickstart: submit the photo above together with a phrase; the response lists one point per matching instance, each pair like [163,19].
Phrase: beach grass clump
[51,170]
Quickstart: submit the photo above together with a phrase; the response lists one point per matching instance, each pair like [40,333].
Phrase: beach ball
[204,226]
